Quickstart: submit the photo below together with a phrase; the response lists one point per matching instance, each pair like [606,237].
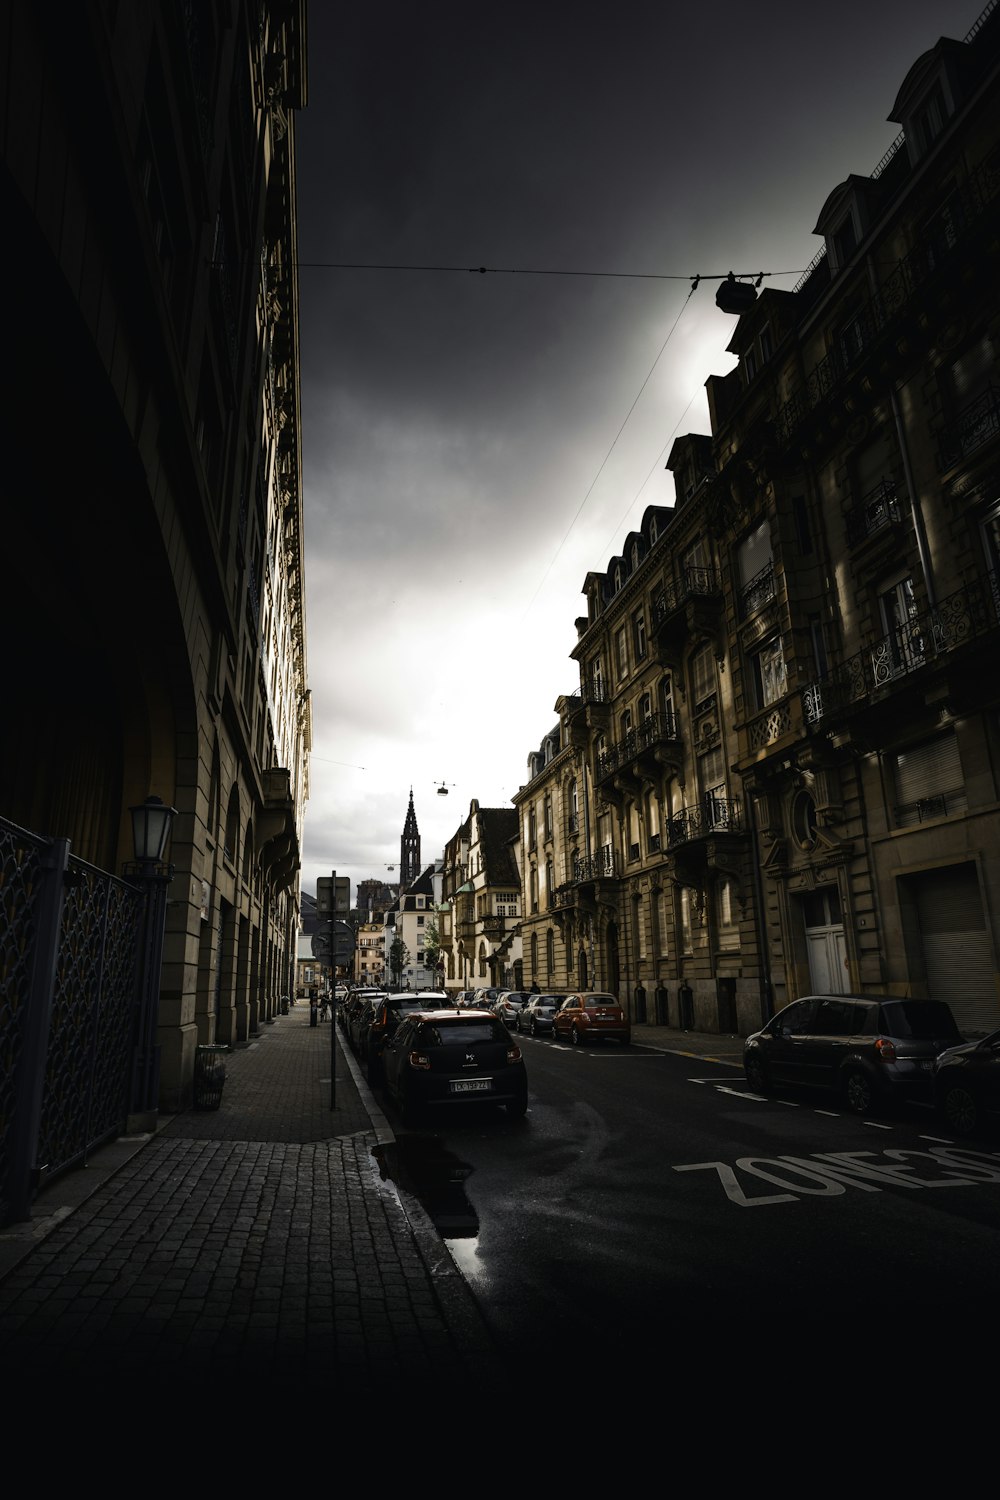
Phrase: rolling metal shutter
[957,946]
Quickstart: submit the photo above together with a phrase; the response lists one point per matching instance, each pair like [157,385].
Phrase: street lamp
[151,822]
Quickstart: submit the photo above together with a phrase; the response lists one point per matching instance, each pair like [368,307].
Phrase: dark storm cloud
[456,424]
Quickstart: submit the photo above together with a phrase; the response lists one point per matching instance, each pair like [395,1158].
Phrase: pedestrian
[534,987]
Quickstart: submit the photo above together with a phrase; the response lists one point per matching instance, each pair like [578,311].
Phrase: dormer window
[653,533]
[635,556]
[843,243]
[618,579]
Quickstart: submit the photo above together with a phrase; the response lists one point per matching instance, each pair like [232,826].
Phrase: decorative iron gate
[70,942]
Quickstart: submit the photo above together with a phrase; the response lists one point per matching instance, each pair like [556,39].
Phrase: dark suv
[867,1048]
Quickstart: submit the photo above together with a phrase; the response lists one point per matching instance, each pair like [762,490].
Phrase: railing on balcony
[755,594]
[659,726]
[704,581]
[965,207]
[963,616]
[975,425]
[702,819]
[600,866]
[877,509]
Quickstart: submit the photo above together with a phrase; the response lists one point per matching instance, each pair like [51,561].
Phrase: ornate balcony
[758,592]
[712,815]
[644,750]
[873,513]
[963,616]
[974,426]
[686,606]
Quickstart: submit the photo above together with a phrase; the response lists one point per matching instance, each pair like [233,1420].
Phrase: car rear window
[461,1033]
[600,1002]
[925,1020]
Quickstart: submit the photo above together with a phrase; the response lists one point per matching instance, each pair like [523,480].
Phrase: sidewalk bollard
[314,1011]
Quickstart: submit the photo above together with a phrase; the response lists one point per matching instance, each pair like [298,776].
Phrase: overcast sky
[462,474]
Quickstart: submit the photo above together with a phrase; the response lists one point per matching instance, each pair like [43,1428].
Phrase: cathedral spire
[409,849]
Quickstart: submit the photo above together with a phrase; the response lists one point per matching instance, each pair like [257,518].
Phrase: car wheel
[576,1037]
[959,1107]
[517,1108]
[755,1073]
[859,1092]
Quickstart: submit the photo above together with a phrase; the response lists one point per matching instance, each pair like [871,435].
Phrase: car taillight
[513,1054]
[886,1048]
[419,1060]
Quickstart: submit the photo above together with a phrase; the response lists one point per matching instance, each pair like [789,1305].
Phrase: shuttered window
[929,781]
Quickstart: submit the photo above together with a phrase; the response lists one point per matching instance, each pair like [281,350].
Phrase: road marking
[830,1173]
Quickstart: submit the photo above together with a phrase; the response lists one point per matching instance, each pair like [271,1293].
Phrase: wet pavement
[265,1240]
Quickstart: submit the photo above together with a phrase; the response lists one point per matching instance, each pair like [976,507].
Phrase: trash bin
[209,1075]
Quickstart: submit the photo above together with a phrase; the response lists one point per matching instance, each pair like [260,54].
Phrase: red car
[587,1016]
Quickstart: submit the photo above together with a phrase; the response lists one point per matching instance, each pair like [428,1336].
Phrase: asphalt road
[650,1205]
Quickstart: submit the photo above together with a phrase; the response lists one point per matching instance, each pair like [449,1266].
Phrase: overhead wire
[554,559]
[357,265]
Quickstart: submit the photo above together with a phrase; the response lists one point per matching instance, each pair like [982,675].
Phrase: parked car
[867,1048]
[967,1084]
[509,1004]
[589,1015]
[537,1016]
[361,1018]
[388,1014]
[464,998]
[450,1058]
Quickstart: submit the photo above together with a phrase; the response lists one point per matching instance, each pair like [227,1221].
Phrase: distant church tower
[409,849]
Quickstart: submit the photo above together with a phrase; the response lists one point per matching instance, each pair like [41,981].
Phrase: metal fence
[70,942]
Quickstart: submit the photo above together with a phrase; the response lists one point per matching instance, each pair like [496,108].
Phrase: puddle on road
[436,1177]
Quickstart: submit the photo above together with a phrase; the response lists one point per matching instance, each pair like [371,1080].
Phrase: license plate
[471,1085]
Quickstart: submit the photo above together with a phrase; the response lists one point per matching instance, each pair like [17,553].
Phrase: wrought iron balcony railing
[703,581]
[877,509]
[975,425]
[600,866]
[963,616]
[702,819]
[758,592]
[660,726]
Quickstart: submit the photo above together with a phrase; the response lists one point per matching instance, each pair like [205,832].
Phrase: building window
[904,646]
[756,569]
[687,929]
[550,955]
[621,653]
[548,815]
[703,684]
[662,924]
[728,925]
[770,675]
[597,679]
[928,781]
[639,636]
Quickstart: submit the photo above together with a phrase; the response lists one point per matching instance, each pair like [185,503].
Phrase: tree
[432,945]
[399,957]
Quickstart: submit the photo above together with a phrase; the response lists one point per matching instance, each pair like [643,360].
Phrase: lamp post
[151,822]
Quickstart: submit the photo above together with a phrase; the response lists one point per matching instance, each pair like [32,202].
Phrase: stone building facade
[780,771]
[153,598]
